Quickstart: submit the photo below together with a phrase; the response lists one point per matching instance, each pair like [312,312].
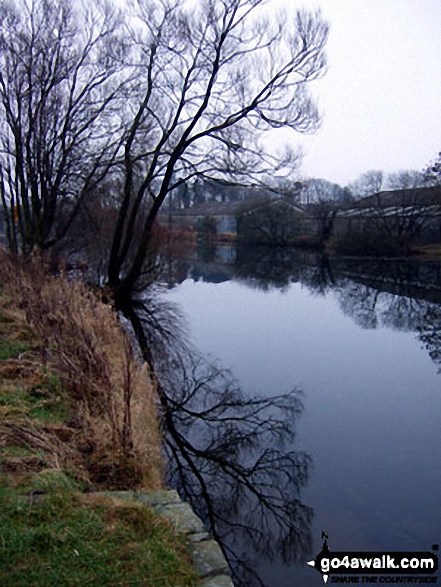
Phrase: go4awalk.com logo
[376,567]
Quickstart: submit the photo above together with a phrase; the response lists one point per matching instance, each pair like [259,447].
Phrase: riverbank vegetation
[56,535]
[78,372]
[78,413]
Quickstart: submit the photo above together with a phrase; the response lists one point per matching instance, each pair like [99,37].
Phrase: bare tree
[60,75]
[212,77]
[271,221]
[367,184]
[406,180]
[397,212]
[320,190]
[433,172]
[323,200]
[390,221]
[186,92]
[402,213]
[324,213]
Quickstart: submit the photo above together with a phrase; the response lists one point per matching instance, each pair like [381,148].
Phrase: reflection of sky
[372,405]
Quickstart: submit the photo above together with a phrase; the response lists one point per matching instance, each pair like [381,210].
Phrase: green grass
[66,538]
[43,401]
[11,350]
[20,452]
[51,533]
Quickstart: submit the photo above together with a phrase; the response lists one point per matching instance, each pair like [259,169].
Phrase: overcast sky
[381,97]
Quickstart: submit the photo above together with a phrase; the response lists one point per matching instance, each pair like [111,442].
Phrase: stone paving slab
[162,496]
[197,537]
[219,581]
[209,559]
[182,517]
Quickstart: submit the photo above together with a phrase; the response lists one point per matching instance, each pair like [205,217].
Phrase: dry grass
[73,392]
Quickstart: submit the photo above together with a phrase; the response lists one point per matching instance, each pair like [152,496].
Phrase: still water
[361,341]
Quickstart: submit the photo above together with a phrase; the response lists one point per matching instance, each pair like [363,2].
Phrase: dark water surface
[362,340]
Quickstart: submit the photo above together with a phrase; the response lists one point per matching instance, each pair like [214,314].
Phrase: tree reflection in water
[430,333]
[399,294]
[231,456]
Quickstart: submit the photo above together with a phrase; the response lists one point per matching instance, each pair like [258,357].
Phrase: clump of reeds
[114,437]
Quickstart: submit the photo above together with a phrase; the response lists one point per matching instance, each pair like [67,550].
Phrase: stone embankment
[206,553]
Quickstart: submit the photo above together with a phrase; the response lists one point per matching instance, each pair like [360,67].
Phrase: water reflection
[429,332]
[231,455]
[372,397]
[399,294]
[236,453]
[268,268]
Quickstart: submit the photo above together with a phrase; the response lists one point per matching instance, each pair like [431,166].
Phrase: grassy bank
[56,535]
[78,414]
